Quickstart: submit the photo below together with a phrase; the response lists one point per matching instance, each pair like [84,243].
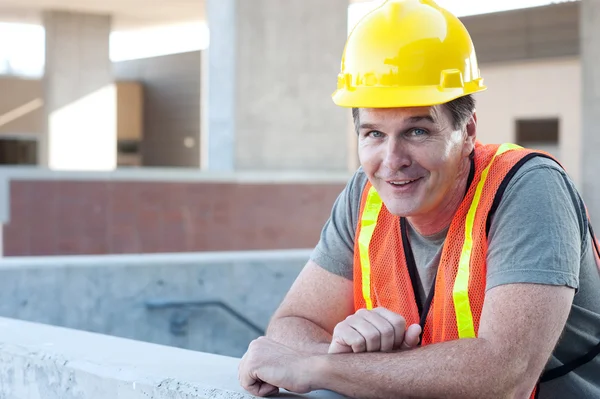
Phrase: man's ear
[471,134]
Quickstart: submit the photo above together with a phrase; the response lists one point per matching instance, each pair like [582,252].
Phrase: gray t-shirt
[538,235]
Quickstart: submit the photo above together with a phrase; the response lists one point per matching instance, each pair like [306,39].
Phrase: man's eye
[375,134]
[418,132]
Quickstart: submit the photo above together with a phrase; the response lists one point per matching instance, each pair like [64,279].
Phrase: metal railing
[179,320]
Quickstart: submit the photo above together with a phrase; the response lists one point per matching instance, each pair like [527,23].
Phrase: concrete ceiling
[127,14]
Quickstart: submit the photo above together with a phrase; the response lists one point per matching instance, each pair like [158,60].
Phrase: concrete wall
[535,33]
[21,107]
[590,112]
[22,110]
[149,211]
[272,68]
[529,59]
[291,52]
[533,89]
[171,107]
[133,296]
[80,100]
[45,362]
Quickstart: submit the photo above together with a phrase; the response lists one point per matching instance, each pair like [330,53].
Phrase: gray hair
[461,109]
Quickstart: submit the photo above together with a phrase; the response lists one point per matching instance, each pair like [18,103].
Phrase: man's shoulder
[360,178]
[540,170]
[541,162]
[542,181]
[356,185]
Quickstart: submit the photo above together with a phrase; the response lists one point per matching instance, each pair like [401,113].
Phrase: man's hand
[269,365]
[377,330]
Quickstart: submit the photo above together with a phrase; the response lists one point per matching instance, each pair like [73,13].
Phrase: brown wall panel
[116,217]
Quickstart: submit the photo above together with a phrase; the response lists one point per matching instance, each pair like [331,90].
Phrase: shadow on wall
[154,298]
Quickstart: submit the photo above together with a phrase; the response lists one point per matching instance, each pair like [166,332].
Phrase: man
[448,268]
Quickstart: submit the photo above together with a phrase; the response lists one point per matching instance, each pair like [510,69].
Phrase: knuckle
[398,321]
[359,346]
[387,330]
[256,342]
[362,312]
[392,317]
[371,337]
[383,311]
[341,326]
[338,330]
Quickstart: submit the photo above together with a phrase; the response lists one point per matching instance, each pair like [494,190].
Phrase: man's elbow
[514,374]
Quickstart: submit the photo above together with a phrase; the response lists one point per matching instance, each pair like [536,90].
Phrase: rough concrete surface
[45,362]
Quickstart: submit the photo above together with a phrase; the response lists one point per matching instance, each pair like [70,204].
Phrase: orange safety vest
[384,270]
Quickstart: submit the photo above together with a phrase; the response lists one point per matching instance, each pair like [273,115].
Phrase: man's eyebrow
[370,126]
[420,118]
[412,119]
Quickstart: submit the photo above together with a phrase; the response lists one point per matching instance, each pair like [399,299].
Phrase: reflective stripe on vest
[368,223]
[367,227]
[462,306]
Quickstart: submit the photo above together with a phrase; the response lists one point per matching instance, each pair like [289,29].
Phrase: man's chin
[400,210]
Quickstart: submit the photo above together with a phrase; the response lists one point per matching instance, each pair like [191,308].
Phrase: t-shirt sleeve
[335,250]
[537,232]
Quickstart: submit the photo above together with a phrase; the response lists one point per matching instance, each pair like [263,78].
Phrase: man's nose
[396,155]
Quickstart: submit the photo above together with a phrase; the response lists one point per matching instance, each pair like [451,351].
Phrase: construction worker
[448,268]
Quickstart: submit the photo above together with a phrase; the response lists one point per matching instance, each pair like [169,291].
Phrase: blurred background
[167,165]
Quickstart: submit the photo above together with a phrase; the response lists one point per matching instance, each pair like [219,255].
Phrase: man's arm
[322,295]
[317,301]
[519,328]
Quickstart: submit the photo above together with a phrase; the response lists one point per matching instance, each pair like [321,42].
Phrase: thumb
[411,337]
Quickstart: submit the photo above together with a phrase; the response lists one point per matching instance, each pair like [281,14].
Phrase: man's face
[413,157]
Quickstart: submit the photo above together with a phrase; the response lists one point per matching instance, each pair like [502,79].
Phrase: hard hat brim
[400,97]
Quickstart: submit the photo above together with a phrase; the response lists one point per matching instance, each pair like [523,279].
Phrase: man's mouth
[400,183]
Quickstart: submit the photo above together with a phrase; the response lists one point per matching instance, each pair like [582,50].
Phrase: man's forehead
[370,115]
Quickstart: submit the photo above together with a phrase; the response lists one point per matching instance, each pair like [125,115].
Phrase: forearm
[299,333]
[457,369]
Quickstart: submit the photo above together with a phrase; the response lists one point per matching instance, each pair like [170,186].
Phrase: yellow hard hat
[407,53]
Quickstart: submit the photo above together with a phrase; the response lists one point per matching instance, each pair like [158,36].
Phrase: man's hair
[461,109]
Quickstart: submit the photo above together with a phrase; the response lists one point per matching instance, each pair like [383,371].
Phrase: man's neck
[440,219]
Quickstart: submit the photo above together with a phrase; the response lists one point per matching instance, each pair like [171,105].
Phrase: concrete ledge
[175,175]
[41,361]
[148,260]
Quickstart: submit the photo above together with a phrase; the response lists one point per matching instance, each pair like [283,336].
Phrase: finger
[411,337]
[345,335]
[338,346]
[266,389]
[255,385]
[370,333]
[260,388]
[250,384]
[387,333]
[245,376]
[398,323]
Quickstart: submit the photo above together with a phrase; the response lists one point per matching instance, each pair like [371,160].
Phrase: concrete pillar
[590,59]
[80,97]
[273,65]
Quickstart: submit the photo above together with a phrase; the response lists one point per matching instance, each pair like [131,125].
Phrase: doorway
[18,151]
